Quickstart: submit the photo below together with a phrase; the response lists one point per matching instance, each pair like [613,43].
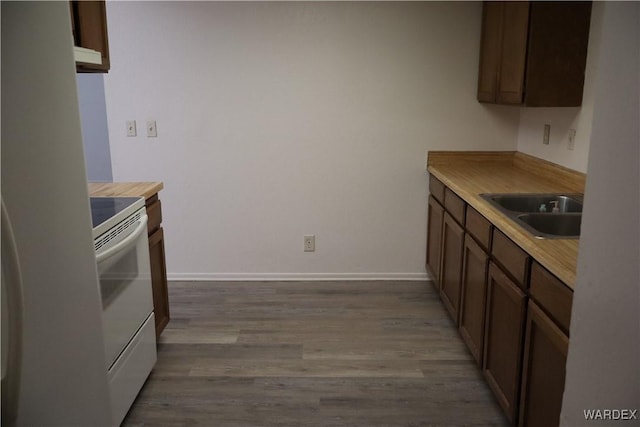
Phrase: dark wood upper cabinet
[89,26]
[533,53]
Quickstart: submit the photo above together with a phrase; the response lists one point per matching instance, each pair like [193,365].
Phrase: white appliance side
[63,380]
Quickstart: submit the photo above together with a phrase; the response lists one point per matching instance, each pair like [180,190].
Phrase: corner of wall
[95,133]
[562,120]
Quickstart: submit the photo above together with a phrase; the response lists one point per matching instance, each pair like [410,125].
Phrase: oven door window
[116,273]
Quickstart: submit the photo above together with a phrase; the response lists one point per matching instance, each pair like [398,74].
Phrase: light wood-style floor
[324,354]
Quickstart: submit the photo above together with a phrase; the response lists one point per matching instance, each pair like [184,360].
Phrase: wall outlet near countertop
[571,141]
[545,135]
[310,243]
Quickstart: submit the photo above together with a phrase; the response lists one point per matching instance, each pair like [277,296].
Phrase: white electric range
[122,254]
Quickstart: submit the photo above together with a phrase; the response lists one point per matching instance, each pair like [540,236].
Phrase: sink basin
[533,203]
[551,225]
[533,212]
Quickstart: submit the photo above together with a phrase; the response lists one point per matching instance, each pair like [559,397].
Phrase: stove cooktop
[106,212]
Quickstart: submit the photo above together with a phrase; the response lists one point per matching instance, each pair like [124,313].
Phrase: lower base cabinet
[545,359]
[504,335]
[513,314]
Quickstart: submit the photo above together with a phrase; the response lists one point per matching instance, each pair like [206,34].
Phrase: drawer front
[154,212]
[513,259]
[436,188]
[454,205]
[479,228]
[128,374]
[552,295]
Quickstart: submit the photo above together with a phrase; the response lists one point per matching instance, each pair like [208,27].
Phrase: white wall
[603,367]
[532,120]
[277,120]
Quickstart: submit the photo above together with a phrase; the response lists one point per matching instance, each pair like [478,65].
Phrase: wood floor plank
[374,353]
[306,368]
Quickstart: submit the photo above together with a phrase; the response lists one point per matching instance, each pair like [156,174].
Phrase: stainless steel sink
[530,203]
[534,213]
[552,225]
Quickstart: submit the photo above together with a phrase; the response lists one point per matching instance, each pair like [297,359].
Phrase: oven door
[125,286]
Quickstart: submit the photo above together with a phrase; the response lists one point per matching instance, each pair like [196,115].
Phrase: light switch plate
[152,131]
[131,128]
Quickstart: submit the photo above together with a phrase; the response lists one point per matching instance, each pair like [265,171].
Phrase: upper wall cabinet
[89,25]
[533,53]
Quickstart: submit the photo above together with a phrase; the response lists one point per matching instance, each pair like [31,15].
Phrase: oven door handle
[130,240]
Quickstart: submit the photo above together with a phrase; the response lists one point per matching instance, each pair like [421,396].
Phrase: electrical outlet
[545,137]
[571,142]
[131,128]
[310,243]
[152,131]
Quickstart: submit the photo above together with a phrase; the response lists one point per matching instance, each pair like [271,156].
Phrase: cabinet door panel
[490,45]
[558,39]
[159,280]
[434,239]
[514,52]
[545,358]
[474,295]
[504,326]
[451,269]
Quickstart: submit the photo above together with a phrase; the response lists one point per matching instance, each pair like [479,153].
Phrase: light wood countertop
[470,174]
[124,189]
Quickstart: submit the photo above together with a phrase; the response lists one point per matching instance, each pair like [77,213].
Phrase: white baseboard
[277,277]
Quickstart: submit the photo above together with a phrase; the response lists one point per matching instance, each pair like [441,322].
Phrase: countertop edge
[144,189]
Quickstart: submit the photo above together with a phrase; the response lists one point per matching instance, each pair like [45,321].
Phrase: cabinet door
[545,358]
[89,25]
[434,239]
[451,265]
[504,332]
[159,280]
[513,53]
[475,265]
[557,53]
[490,46]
